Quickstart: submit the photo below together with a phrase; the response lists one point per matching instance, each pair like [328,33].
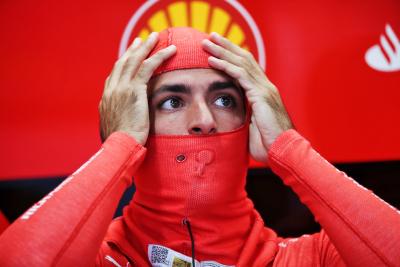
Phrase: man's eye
[171,103]
[225,101]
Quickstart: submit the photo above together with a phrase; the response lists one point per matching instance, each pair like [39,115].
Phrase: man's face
[194,101]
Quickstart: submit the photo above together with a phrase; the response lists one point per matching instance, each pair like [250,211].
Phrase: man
[199,104]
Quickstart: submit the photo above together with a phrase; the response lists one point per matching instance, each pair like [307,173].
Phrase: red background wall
[55,56]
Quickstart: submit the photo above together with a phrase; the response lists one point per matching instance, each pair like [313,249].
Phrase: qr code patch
[159,255]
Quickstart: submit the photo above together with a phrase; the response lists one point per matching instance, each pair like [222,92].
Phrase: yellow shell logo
[228,18]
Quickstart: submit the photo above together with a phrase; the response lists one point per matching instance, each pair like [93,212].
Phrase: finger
[225,43]
[106,83]
[243,57]
[232,70]
[222,53]
[136,58]
[118,66]
[136,42]
[148,67]
[247,58]
[131,49]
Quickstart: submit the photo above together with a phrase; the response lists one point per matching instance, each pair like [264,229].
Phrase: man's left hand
[269,117]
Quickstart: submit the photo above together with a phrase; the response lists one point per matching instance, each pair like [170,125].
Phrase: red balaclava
[190,190]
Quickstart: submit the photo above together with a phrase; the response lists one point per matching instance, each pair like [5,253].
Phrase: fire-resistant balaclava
[190,194]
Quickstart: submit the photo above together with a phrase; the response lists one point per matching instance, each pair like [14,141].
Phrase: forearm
[364,229]
[67,226]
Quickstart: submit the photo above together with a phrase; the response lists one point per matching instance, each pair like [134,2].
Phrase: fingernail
[214,34]
[137,41]
[207,42]
[152,36]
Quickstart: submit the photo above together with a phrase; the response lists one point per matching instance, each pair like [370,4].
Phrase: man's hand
[124,106]
[269,117]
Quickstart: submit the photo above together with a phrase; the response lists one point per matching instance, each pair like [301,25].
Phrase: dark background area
[279,206]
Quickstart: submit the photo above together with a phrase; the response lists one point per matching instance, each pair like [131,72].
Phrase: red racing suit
[69,226]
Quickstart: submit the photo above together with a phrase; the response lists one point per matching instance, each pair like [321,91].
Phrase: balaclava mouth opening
[190,190]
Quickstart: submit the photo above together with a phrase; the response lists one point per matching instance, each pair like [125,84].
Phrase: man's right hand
[124,105]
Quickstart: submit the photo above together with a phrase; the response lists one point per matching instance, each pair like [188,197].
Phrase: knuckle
[221,52]
[241,71]
[130,61]
[119,63]
[273,88]
[225,66]
[124,72]
[156,57]
[105,97]
[162,54]
[129,65]
[225,53]
[142,71]
[127,94]
[243,61]
[236,71]
[132,95]
[129,51]
[132,48]
[248,54]
[145,65]
[148,61]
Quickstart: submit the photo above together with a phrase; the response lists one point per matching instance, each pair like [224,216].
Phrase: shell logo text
[228,18]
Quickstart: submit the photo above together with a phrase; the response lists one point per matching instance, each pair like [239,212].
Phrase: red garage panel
[337,66]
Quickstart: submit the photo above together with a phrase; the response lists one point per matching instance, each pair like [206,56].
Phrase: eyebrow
[171,88]
[215,86]
[185,89]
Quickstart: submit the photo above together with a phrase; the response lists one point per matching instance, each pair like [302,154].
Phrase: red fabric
[66,228]
[3,222]
[344,211]
[189,53]
[203,188]
[364,229]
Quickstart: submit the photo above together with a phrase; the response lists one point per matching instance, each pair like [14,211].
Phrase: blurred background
[335,63]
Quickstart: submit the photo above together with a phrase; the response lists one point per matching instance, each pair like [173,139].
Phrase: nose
[201,120]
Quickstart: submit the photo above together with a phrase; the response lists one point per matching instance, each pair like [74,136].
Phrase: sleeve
[3,222]
[308,250]
[363,228]
[67,226]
